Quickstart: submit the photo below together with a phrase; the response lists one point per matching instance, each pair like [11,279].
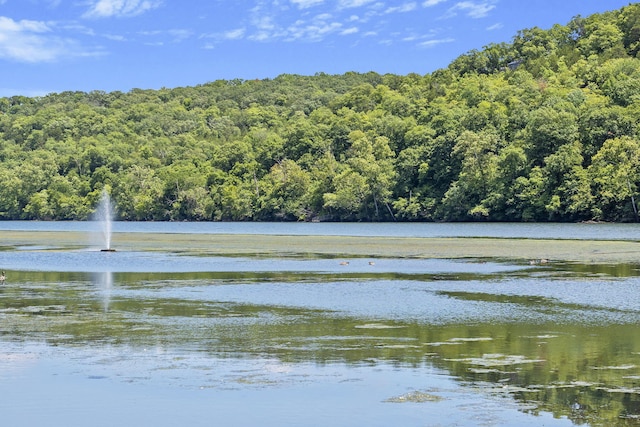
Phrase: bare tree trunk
[633,200]
[390,211]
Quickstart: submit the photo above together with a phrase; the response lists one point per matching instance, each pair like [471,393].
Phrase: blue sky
[58,45]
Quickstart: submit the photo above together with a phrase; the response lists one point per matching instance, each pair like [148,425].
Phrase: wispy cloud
[471,9]
[236,34]
[270,22]
[433,43]
[115,37]
[316,29]
[348,4]
[120,8]
[293,20]
[179,34]
[430,3]
[304,4]
[35,41]
[347,31]
[407,7]
[494,27]
[264,25]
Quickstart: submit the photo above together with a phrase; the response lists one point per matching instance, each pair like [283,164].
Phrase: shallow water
[160,338]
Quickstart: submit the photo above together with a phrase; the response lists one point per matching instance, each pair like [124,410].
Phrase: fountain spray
[104,214]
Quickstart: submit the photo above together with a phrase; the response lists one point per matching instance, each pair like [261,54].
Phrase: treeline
[545,128]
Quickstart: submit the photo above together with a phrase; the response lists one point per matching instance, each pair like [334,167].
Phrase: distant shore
[524,250]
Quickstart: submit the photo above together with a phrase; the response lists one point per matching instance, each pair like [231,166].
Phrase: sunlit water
[157,338]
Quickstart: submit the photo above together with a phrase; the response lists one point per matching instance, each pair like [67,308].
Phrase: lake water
[169,338]
[503,230]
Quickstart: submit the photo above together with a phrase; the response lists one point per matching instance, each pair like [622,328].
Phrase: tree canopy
[545,128]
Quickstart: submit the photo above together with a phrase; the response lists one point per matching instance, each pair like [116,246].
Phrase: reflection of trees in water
[588,373]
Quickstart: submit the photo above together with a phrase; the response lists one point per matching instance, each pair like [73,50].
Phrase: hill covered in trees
[543,128]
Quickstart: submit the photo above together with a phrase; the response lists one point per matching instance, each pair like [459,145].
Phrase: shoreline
[517,249]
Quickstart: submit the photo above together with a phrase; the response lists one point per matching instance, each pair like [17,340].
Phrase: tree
[10,194]
[549,128]
[350,190]
[615,172]
[284,192]
[464,199]
[373,161]
[568,184]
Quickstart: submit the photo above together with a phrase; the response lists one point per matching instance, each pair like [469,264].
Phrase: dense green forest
[544,128]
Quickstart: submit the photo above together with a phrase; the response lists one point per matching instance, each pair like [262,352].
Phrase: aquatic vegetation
[415,397]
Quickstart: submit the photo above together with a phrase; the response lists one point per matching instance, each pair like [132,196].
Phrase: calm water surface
[136,338]
[505,230]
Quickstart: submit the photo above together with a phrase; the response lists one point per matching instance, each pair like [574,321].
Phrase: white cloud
[264,22]
[304,4]
[115,37]
[313,31]
[294,20]
[8,25]
[347,31]
[432,43]
[236,34]
[407,7]
[34,41]
[473,10]
[120,8]
[180,34]
[495,27]
[430,3]
[270,22]
[348,4]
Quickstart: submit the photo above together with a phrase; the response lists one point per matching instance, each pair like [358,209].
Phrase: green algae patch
[534,251]
[415,397]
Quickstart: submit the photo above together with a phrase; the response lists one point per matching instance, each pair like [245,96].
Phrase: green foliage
[543,128]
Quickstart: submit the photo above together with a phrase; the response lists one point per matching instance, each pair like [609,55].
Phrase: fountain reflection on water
[104,281]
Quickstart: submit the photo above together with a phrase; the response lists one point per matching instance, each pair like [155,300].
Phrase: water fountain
[104,214]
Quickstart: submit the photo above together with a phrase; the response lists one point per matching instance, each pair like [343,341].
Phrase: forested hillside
[544,128]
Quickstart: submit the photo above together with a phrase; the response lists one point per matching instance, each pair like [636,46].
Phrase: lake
[165,333]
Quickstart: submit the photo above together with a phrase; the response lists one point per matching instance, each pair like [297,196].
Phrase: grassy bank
[595,251]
